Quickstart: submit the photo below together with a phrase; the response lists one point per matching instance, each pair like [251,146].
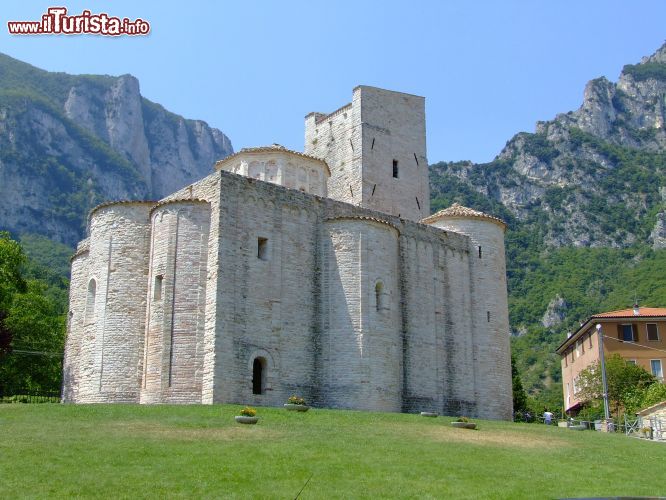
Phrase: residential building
[635,334]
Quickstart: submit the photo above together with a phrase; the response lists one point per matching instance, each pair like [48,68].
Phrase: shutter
[634,332]
[619,332]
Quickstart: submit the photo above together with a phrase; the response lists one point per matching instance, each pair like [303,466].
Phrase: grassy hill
[199,451]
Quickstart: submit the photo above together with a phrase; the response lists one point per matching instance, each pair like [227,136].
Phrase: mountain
[585,199]
[70,142]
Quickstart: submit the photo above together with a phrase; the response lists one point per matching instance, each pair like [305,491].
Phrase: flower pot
[242,419]
[428,414]
[293,407]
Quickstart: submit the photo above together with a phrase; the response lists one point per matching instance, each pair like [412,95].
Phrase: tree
[519,395]
[627,383]
[655,393]
[32,325]
[11,283]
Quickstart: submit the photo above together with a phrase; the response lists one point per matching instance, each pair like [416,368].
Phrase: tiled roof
[652,408]
[363,217]
[119,202]
[643,312]
[625,313]
[273,148]
[457,210]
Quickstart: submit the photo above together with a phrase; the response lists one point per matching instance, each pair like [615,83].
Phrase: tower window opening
[157,287]
[262,248]
[395,169]
[488,316]
[90,301]
[259,376]
[479,252]
[380,297]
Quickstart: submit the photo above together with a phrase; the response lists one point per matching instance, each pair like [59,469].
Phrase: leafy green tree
[11,283]
[627,384]
[519,395]
[32,324]
[655,393]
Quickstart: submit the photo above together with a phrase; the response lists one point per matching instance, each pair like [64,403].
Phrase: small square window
[652,331]
[631,362]
[395,169]
[262,248]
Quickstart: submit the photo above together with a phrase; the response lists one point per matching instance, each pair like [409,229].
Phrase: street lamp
[603,371]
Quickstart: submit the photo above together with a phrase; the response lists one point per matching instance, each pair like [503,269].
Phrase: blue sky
[254,69]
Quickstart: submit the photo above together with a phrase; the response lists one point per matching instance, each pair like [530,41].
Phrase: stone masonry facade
[270,278]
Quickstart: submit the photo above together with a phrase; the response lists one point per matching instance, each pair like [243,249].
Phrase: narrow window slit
[416,160]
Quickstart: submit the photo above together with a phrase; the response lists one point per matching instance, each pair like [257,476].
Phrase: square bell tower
[375,147]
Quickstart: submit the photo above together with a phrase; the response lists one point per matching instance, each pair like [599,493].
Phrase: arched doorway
[258,376]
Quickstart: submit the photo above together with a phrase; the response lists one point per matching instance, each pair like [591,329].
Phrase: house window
[259,376]
[90,301]
[655,365]
[631,362]
[157,287]
[395,169]
[652,331]
[627,333]
[262,248]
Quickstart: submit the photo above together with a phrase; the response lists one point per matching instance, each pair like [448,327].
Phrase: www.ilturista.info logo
[57,22]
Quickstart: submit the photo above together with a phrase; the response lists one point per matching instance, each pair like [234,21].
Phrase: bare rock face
[555,312]
[590,177]
[68,143]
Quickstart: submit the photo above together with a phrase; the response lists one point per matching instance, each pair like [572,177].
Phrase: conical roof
[456,211]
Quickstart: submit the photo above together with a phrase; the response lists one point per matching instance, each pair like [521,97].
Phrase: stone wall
[361,348]
[174,342]
[108,306]
[489,312]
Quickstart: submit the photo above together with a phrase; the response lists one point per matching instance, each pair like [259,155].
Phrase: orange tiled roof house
[638,335]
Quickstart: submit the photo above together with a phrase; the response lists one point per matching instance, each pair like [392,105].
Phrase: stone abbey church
[319,273]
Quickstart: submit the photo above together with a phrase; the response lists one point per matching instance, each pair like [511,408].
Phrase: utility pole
[603,371]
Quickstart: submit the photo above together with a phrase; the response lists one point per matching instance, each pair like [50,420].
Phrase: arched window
[259,376]
[90,301]
[380,296]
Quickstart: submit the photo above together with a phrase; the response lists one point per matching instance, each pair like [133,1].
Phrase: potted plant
[247,416]
[463,423]
[646,432]
[296,403]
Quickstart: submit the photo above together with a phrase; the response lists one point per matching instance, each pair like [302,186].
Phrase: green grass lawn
[52,450]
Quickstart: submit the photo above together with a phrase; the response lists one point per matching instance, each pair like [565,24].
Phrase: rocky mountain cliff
[70,142]
[591,177]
